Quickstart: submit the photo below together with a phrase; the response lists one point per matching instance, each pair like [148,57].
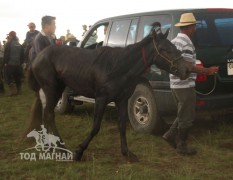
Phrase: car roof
[171,11]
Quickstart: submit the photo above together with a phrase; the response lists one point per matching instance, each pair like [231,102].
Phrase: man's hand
[212,70]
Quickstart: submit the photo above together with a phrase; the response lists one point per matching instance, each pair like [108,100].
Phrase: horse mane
[118,60]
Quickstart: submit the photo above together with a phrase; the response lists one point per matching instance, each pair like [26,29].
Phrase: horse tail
[35,119]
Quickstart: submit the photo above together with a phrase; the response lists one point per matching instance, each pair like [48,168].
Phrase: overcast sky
[71,14]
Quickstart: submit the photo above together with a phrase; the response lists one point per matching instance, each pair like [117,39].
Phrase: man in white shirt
[184,90]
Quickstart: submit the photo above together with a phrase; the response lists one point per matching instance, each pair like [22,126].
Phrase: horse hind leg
[42,98]
[52,96]
[100,106]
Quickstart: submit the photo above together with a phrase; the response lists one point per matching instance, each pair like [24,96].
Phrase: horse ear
[166,33]
[153,33]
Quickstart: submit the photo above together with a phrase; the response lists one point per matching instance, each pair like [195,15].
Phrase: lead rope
[158,54]
[200,93]
[212,90]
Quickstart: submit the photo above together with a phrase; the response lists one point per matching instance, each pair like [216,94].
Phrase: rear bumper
[215,101]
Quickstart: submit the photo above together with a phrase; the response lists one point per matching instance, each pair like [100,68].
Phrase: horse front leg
[100,106]
[122,106]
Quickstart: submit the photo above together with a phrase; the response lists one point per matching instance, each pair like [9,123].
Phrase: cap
[31,24]
[12,34]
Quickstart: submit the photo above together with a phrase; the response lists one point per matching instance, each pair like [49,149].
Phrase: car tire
[64,106]
[142,111]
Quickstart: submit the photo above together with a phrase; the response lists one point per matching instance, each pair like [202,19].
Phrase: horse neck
[142,58]
[131,61]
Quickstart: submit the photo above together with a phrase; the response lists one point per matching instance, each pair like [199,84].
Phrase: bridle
[171,62]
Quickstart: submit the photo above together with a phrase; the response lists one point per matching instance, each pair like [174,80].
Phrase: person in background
[70,39]
[84,29]
[44,38]
[59,41]
[12,60]
[68,35]
[31,34]
[62,39]
[183,91]
[2,89]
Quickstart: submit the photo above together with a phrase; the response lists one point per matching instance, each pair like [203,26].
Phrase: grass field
[103,160]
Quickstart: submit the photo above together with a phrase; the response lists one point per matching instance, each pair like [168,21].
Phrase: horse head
[168,57]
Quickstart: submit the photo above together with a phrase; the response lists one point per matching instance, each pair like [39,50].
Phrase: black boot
[13,89]
[170,137]
[182,147]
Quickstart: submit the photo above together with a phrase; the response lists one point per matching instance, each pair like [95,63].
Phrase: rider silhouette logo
[46,142]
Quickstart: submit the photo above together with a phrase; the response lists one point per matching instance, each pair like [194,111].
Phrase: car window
[155,73]
[214,30]
[147,21]
[132,32]
[95,37]
[118,33]
[225,30]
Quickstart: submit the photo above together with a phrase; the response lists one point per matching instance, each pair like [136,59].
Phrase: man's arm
[208,71]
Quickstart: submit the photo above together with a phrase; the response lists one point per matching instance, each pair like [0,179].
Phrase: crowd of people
[15,58]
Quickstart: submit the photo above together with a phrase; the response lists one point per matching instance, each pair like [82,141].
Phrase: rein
[164,57]
[146,63]
[144,58]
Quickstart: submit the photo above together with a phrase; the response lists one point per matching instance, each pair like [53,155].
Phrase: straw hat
[186,19]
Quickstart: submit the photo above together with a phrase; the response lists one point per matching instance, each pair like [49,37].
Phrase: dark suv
[152,100]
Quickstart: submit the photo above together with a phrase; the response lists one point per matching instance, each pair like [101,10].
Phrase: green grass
[103,159]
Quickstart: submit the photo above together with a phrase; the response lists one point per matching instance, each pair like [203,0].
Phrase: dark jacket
[30,36]
[13,53]
[28,44]
[40,42]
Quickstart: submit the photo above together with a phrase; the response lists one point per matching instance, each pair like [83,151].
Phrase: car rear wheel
[142,111]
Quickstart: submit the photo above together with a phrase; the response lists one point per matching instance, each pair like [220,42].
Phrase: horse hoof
[78,155]
[132,158]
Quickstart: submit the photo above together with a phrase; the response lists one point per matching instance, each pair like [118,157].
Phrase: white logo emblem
[45,143]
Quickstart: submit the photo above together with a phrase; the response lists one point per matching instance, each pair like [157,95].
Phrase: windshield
[214,29]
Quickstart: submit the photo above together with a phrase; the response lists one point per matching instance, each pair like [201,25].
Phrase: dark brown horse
[105,74]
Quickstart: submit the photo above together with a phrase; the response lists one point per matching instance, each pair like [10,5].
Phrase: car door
[159,79]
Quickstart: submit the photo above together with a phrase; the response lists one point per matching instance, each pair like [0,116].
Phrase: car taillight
[200,77]
[200,102]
